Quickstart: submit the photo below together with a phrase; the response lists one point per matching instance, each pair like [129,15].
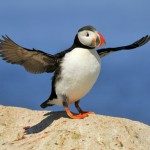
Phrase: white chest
[80,70]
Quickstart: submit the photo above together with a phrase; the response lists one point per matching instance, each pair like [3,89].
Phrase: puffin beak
[100,41]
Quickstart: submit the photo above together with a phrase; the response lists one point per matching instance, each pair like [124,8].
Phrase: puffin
[76,69]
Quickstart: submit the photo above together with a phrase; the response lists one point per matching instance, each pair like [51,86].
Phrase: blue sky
[123,88]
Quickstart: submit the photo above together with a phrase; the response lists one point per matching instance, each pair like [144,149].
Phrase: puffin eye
[87,34]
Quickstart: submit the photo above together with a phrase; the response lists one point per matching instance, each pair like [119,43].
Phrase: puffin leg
[80,110]
[70,114]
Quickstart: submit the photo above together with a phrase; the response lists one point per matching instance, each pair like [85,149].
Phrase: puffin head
[88,37]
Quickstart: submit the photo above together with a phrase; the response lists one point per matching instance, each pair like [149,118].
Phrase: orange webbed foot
[81,111]
[87,113]
[71,115]
[79,116]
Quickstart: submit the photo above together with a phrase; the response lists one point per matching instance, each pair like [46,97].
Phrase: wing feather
[34,61]
[105,51]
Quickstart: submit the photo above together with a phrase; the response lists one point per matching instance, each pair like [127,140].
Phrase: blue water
[123,88]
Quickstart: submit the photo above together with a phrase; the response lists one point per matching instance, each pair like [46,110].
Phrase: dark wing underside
[105,51]
[34,61]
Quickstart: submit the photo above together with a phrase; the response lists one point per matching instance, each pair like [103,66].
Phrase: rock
[24,129]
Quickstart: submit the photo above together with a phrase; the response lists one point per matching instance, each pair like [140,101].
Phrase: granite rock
[24,129]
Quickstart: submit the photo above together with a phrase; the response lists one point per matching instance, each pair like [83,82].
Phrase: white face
[88,38]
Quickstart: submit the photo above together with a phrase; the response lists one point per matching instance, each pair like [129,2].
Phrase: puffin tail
[46,104]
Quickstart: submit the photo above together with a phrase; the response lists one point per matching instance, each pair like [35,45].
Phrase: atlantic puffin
[75,69]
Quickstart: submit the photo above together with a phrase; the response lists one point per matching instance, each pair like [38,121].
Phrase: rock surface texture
[24,129]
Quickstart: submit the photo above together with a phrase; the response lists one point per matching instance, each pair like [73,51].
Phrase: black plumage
[34,61]
[105,51]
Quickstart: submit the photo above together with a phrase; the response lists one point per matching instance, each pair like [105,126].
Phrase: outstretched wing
[34,61]
[105,51]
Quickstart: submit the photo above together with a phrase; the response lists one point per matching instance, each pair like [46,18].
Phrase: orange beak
[102,40]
